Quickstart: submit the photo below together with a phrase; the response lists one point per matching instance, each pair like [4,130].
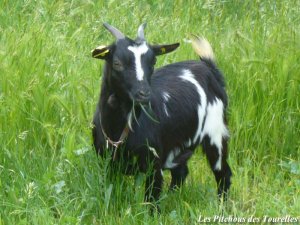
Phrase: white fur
[203,48]
[138,51]
[169,162]
[188,143]
[166,110]
[166,98]
[215,128]
[188,76]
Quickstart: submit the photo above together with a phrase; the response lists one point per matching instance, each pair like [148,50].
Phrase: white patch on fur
[188,76]
[218,165]
[166,98]
[188,143]
[169,164]
[138,51]
[215,128]
[166,110]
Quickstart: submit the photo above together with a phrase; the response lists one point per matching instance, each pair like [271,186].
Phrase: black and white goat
[159,117]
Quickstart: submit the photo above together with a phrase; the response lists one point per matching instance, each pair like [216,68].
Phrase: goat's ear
[163,49]
[101,52]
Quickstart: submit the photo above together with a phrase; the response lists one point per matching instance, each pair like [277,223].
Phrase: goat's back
[180,95]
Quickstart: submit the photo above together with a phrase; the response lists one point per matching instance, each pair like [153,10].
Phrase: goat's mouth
[136,101]
[141,97]
[142,101]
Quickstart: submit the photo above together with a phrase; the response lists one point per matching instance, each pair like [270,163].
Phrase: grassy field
[49,85]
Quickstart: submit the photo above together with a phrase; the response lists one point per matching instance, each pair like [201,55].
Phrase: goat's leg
[98,138]
[217,158]
[178,174]
[153,187]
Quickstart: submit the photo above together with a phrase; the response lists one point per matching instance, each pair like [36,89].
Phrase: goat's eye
[117,65]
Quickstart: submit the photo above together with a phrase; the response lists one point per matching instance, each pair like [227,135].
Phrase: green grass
[49,86]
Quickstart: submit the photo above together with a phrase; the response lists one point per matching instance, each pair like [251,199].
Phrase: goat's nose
[143,96]
[144,93]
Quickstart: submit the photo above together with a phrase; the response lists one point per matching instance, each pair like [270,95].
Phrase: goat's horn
[114,31]
[141,35]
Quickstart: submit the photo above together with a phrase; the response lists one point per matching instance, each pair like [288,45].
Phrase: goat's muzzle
[143,96]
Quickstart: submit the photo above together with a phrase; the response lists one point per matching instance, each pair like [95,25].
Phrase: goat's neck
[113,117]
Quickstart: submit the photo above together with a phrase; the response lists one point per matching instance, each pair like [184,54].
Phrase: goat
[160,116]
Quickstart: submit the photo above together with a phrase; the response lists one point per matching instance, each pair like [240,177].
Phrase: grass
[49,85]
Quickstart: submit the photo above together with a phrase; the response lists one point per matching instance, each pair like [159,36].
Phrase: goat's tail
[203,49]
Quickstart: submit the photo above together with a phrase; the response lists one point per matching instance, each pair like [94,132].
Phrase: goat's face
[132,64]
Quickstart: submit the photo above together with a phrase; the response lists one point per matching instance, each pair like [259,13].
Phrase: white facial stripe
[188,76]
[138,51]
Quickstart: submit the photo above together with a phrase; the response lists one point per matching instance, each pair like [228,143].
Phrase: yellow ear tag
[163,50]
[102,53]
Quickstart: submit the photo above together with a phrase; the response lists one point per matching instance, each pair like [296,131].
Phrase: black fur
[160,131]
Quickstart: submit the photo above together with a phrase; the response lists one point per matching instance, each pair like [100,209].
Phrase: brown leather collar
[115,144]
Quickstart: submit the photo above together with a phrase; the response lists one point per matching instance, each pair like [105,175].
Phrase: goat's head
[132,63]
